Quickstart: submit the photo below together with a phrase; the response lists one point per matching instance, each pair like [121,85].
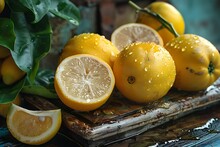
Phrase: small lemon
[10,72]
[2,5]
[4,52]
[5,107]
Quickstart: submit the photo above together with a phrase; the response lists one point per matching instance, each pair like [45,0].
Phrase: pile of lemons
[147,60]
[143,60]
[10,73]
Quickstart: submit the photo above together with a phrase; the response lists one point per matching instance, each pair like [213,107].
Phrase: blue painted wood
[201,18]
[3,132]
[204,136]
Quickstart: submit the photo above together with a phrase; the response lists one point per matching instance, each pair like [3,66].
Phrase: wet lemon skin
[197,62]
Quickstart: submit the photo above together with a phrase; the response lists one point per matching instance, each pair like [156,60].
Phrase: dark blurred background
[103,16]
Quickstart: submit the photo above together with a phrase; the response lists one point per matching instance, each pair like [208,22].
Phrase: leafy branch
[26,31]
[165,23]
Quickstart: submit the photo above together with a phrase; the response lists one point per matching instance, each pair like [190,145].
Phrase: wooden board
[120,118]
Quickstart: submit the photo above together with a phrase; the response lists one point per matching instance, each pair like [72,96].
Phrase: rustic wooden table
[180,132]
[179,119]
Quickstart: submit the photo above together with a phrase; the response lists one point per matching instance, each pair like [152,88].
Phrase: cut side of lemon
[84,82]
[134,32]
[33,127]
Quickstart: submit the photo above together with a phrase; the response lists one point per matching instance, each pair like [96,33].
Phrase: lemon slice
[134,32]
[84,82]
[33,127]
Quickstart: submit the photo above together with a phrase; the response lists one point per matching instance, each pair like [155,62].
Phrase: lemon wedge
[33,127]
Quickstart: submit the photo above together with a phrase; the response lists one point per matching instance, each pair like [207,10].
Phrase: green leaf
[7,34]
[9,93]
[36,8]
[16,6]
[28,35]
[66,10]
[32,43]
[43,85]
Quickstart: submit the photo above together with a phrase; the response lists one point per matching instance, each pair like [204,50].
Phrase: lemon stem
[164,22]
[211,67]
[159,28]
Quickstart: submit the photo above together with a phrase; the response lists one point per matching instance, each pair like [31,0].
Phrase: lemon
[10,72]
[4,108]
[4,52]
[169,13]
[33,127]
[144,72]
[93,44]
[197,62]
[84,82]
[2,5]
[1,61]
[134,32]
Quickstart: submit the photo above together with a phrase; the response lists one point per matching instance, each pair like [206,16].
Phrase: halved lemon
[84,82]
[134,32]
[33,127]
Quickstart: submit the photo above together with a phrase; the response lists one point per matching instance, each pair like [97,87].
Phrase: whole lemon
[4,52]
[93,44]
[144,72]
[197,62]
[169,13]
[4,108]
[10,72]
[2,5]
